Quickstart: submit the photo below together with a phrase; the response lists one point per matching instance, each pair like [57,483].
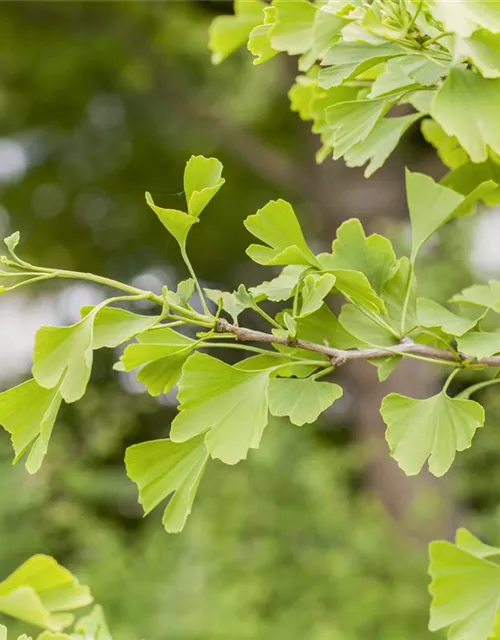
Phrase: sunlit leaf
[464,589]
[227,404]
[432,314]
[176,222]
[280,288]
[161,353]
[448,147]
[233,303]
[202,179]
[92,626]
[481,344]
[372,255]
[314,291]
[28,412]
[434,429]
[481,295]
[380,143]
[276,224]
[301,400]
[462,94]
[162,467]
[40,592]
[259,41]
[229,33]
[113,326]
[467,15]
[293,32]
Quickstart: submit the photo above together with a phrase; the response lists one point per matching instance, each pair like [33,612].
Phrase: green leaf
[162,467]
[226,403]
[368,331]
[229,33]
[394,293]
[233,303]
[287,368]
[431,314]
[40,591]
[352,122]
[448,147]
[380,143]
[93,626]
[162,353]
[481,295]
[431,205]
[12,241]
[469,176]
[63,356]
[113,326]
[480,344]
[301,400]
[259,41]
[483,49]
[373,255]
[466,541]
[176,222]
[464,591]
[293,32]
[280,288]
[346,60]
[276,224]
[467,16]
[434,428]
[183,295]
[28,412]
[314,291]
[392,80]
[327,30]
[462,94]
[202,179]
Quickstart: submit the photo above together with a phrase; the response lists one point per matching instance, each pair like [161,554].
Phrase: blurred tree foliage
[100,102]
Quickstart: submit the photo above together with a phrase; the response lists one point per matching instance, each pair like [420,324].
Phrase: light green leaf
[233,303]
[183,295]
[280,288]
[301,400]
[202,179]
[226,403]
[394,293]
[448,147]
[39,591]
[28,412]
[393,79]
[113,326]
[373,255]
[364,329]
[467,542]
[468,15]
[483,49]
[380,143]
[462,94]
[162,467]
[430,205]
[276,224]
[293,32]
[63,356]
[327,30]
[481,295]
[345,60]
[469,176]
[263,361]
[480,344]
[177,223]
[259,41]
[354,285]
[465,592]
[314,291]
[93,626]
[352,122]
[423,70]
[431,314]
[229,33]
[434,428]
[386,366]
[162,353]
[12,241]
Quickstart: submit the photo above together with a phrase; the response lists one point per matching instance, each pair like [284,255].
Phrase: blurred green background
[318,536]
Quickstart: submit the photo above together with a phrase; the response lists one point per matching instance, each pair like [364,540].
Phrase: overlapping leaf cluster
[371,69]
[44,594]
